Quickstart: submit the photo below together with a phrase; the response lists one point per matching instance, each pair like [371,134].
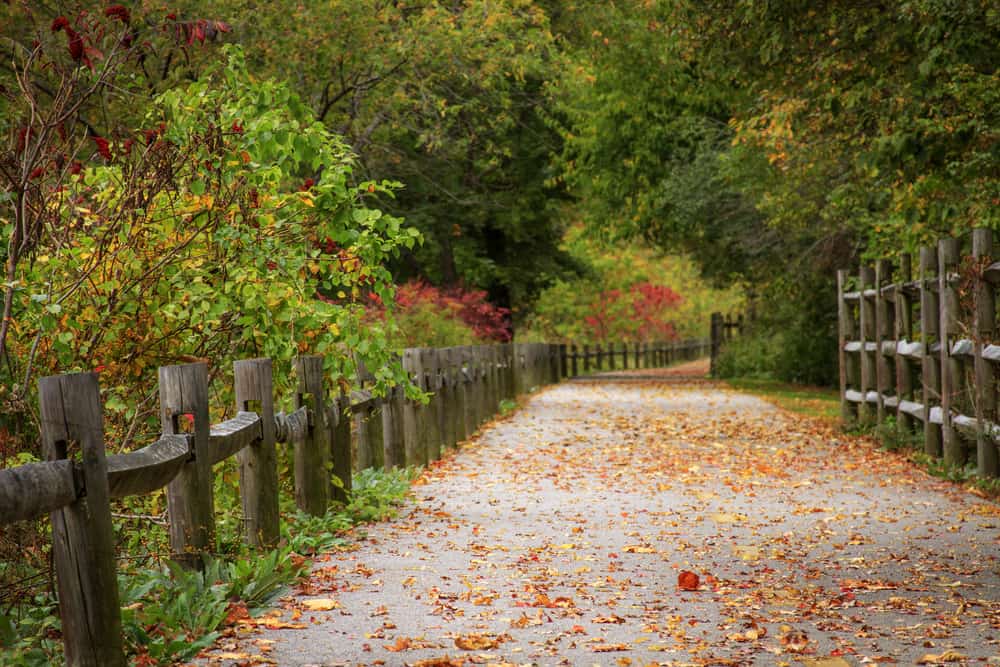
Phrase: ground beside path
[557,537]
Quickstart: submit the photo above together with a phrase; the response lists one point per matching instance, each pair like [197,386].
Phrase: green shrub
[749,357]
[29,637]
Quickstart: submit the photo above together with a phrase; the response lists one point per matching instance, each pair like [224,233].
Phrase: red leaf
[687,581]
[119,12]
[102,147]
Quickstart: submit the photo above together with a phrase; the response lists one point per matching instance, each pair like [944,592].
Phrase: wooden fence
[922,350]
[723,329]
[78,480]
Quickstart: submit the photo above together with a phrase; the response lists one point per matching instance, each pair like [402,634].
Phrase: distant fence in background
[922,350]
[340,433]
[724,328]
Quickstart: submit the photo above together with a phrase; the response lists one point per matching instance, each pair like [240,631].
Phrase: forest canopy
[468,143]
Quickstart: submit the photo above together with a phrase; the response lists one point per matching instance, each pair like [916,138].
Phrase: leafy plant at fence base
[169,613]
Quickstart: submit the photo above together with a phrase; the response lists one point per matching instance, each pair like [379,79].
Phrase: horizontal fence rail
[922,351]
[343,433]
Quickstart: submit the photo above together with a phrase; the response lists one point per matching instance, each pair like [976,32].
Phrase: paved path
[557,537]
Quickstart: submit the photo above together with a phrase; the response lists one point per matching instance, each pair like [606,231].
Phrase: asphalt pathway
[654,519]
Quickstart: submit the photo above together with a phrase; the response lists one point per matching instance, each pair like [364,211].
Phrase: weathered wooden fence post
[984,329]
[393,452]
[83,548]
[884,380]
[931,368]
[624,355]
[484,412]
[576,370]
[846,332]
[511,393]
[866,280]
[446,386]
[493,360]
[458,390]
[438,405]
[586,357]
[184,395]
[471,389]
[904,338]
[414,444]
[638,351]
[312,464]
[951,369]
[258,461]
[341,450]
[611,355]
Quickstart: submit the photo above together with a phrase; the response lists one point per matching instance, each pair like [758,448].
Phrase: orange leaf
[687,581]
[608,648]
[476,642]
[439,662]
[402,644]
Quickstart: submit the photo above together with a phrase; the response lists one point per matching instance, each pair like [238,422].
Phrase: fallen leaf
[402,644]
[609,619]
[795,641]
[320,604]
[272,624]
[947,656]
[476,642]
[438,662]
[639,549]
[609,648]
[687,581]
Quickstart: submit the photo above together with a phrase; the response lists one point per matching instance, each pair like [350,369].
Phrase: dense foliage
[779,141]
[628,293]
[430,316]
[215,179]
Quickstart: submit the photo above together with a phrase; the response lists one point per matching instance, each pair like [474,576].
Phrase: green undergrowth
[819,402]
[170,614]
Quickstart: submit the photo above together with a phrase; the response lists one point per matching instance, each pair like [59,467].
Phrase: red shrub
[638,314]
[487,321]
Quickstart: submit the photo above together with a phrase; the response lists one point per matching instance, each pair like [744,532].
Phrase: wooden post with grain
[184,398]
[258,461]
[83,549]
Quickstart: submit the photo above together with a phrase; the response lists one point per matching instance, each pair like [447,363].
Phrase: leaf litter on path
[656,521]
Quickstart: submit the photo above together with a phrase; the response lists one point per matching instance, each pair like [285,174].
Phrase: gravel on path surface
[559,535]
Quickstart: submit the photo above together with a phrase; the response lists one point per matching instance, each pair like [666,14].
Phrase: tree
[211,231]
[449,98]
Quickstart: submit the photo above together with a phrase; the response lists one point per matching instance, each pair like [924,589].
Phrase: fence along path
[77,482]
[933,370]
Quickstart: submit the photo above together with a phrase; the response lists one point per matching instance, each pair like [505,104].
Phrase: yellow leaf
[947,656]
[476,642]
[639,549]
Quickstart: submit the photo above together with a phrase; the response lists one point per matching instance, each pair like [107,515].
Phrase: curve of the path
[557,537]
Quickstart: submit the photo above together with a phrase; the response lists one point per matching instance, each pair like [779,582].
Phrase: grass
[818,402]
